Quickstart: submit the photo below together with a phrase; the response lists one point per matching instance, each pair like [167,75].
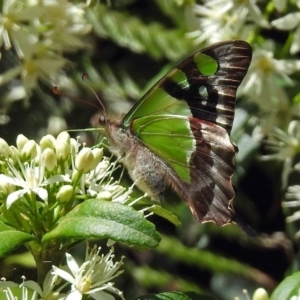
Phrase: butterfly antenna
[86,76]
[55,91]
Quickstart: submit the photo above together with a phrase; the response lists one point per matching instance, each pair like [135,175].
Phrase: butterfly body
[178,134]
[145,168]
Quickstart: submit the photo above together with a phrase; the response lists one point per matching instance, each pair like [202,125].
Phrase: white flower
[280,5]
[266,78]
[260,294]
[223,19]
[13,31]
[68,24]
[50,282]
[111,190]
[5,287]
[50,289]
[30,179]
[292,196]
[284,145]
[101,171]
[95,178]
[290,22]
[292,202]
[35,66]
[93,277]
[40,33]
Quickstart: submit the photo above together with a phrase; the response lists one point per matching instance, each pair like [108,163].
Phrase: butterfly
[178,134]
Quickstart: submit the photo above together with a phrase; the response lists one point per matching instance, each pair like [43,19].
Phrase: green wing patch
[169,137]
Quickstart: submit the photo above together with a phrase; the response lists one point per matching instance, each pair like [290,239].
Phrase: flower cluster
[284,146]
[290,22]
[268,77]
[39,32]
[93,279]
[217,20]
[293,201]
[46,179]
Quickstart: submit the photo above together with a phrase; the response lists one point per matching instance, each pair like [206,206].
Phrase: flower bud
[49,158]
[4,149]
[260,294]
[65,193]
[21,141]
[6,189]
[24,221]
[24,217]
[29,150]
[14,154]
[84,161]
[75,176]
[37,159]
[47,141]
[104,195]
[63,149]
[63,136]
[98,154]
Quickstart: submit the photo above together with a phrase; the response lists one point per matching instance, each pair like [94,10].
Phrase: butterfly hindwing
[199,157]
[211,168]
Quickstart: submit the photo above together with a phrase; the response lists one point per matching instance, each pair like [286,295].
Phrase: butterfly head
[113,128]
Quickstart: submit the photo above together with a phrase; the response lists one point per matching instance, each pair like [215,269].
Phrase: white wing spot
[203,93]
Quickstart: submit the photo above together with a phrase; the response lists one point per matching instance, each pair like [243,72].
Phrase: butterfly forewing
[203,86]
[212,97]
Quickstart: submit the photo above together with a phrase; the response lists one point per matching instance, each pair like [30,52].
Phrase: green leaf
[287,288]
[175,296]
[166,214]
[11,238]
[103,219]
